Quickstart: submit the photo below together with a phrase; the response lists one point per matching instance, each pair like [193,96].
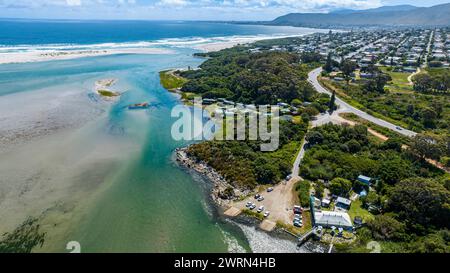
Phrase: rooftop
[332,218]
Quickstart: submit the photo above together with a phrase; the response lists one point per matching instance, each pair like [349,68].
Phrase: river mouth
[106,179]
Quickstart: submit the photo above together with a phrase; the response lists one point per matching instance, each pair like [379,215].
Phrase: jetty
[306,236]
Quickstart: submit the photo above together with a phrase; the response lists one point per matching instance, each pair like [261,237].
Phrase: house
[332,219]
[283,104]
[328,218]
[343,203]
[364,179]
[326,202]
[209,101]
[409,69]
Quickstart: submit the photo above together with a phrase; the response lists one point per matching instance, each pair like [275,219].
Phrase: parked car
[266,214]
[298,210]
[319,229]
[298,223]
[270,190]
[261,198]
[249,204]
[252,207]
[260,209]
[257,196]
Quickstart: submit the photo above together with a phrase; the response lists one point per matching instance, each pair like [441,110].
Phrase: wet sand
[53,55]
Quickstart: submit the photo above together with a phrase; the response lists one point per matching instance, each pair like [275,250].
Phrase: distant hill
[402,15]
[380,9]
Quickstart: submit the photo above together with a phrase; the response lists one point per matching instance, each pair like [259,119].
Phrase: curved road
[313,79]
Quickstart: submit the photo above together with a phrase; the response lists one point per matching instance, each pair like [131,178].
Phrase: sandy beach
[216,46]
[54,55]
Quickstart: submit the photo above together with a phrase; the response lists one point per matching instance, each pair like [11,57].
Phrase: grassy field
[404,109]
[170,81]
[357,210]
[399,83]
[353,102]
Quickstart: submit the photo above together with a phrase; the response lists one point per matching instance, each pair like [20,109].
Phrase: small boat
[136,106]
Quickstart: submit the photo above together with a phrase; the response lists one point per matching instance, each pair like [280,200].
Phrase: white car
[261,198]
[266,214]
[260,209]
[270,190]
[252,207]
[249,204]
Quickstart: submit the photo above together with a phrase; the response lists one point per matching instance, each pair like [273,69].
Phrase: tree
[340,186]
[371,198]
[348,67]
[422,82]
[393,169]
[302,189]
[421,201]
[264,170]
[328,67]
[314,137]
[392,144]
[429,117]
[410,110]
[425,147]
[377,83]
[319,188]
[385,227]
[433,243]
[332,104]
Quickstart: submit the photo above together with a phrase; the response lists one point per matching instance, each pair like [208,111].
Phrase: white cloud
[73,2]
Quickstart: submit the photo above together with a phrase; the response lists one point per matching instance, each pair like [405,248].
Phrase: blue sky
[183,9]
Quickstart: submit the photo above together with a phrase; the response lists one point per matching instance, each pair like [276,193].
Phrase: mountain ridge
[401,15]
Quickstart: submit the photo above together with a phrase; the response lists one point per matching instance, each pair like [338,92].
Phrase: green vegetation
[242,162]
[412,196]
[261,78]
[170,80]
[107,93]
[302,188]
[399,82]
[382,130]
[23,239]
[346,152]
[357,209]
[254,214]
[419,112]
[434,81]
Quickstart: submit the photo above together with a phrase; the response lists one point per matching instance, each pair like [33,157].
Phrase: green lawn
[171,81]
[357,210]
[399,82]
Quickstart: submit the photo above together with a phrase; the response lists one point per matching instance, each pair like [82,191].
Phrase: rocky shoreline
[222,193]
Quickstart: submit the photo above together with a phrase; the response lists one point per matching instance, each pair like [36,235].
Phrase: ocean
[105,176]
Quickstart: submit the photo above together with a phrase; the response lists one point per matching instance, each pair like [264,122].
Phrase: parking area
[279,202]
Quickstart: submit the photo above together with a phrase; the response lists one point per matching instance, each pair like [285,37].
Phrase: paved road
[298,160]
[312,78]
[430,41]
